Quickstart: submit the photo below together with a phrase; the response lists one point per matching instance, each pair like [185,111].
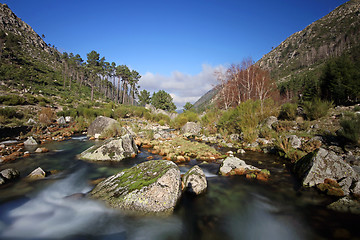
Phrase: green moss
[139,176]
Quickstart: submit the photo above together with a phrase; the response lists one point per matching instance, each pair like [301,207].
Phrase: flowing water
[232,208]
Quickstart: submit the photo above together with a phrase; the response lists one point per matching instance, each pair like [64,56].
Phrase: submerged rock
[149,187]
[346,204]
[111,150]
[321,164]
[195,180]
[104,126]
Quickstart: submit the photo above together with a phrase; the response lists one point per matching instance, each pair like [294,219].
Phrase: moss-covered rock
[104,127]
[150,187]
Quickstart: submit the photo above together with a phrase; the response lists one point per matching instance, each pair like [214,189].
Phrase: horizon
[175,46]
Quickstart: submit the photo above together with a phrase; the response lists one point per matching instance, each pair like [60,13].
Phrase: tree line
[115,82]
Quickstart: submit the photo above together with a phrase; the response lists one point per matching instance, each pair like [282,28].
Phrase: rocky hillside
[330,36]
[206,99]
[31,42]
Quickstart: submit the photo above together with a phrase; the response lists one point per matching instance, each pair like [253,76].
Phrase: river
[232,208]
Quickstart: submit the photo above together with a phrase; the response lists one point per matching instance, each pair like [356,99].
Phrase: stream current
[232,208]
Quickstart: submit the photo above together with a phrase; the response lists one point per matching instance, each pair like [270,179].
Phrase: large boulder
[30,142]
[322,164]
[149,187]
[231,164]
[195,180]
[191,128]
[111,150]
[104,126]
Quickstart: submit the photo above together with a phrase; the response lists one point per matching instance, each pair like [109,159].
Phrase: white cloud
[182,87]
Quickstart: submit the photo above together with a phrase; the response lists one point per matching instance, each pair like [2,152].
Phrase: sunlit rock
[195,180]
[149,187]
[111,150]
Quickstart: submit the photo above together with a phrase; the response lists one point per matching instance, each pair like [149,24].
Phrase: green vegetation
[316,109]
[350,124]
[163,100]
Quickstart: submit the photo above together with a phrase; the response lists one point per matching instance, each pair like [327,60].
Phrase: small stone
[30,142]
[241,151]
[37,174]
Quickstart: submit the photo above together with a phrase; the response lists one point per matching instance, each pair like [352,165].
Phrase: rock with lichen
[149,187]
[111,150]
[195,181]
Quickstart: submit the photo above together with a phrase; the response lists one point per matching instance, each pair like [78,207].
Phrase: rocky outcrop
[30,142]
[191,128]
[321,164]
[195,181]
[11,23]
[111,150]
[105,127]
[149,187]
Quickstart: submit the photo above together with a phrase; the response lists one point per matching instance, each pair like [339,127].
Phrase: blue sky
[175,45]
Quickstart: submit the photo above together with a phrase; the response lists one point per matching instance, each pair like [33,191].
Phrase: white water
[51,215]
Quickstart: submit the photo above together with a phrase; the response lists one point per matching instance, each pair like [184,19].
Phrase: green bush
[288,111]
[12,100]
[244,118]
[350,127]
[9,113]
[30,99]
[316,109]
[183,118]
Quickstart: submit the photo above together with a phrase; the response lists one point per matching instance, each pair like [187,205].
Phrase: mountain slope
[330,36]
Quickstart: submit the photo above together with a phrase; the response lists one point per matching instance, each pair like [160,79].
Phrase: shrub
[46,116]
[316,109]
[244,118]
[350,127]
[30,99]
[12,100]
[288,111]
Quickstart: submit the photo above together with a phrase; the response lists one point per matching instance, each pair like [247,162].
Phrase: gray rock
[103,126]
[191,128]
[270,121]
[149,187]
[241,151]
[346,204]
[232,163]
[234,137]
[2,180]
[31,121]
[195,180]
[10,174]
[294,140]
[111,150]
[30,142]
[37,174]
[61,120]
[315,167]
